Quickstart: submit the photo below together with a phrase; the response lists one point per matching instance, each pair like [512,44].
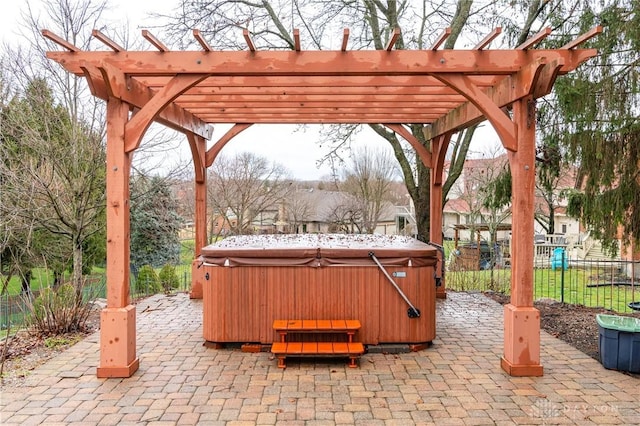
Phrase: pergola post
[118,320]
[521,320]
[438,148]
[197,279]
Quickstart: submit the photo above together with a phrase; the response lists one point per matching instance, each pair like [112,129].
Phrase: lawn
[574,286]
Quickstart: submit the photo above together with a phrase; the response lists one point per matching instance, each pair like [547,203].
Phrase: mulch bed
[574,324]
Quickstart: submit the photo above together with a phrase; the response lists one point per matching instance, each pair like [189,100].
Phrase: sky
[294,147]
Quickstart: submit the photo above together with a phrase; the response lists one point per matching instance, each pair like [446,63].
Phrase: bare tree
[52,172]
[552,189]
[481,188]
[368,180]
[372,23]
[298,209]
[344,215]
[52,133]
[242,187]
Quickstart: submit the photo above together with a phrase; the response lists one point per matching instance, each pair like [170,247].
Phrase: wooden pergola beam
[137,95]
[304,105]
[305,82]
[345,39]
[441,39]
[396,95]
[537,38]
[504,93]
[140,122]
[488,108]
[296,40]
[154,41]
[107,41]
[318,63]
[292,118]
[249,40]
[201,41]
[395,35]
[488,39]
[423,152]
[583,38]
[60,41]
[214,151]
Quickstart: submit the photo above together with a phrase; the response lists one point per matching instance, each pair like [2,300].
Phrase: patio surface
[458,381]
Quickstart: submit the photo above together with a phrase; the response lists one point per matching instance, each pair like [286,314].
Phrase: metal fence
[609,284]
[14,308]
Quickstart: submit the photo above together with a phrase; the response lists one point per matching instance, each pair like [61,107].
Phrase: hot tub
[250,281]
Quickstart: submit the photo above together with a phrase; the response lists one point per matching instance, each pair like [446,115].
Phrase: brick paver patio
[458,381]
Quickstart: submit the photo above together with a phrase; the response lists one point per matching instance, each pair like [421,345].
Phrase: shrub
[168,278]
[60,311]
[148,281]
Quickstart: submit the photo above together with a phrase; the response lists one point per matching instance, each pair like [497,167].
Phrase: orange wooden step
[353,350]
[282,327]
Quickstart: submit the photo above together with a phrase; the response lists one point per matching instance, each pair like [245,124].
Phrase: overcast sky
[296,149]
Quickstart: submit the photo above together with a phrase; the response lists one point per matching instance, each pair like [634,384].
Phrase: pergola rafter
[443,90]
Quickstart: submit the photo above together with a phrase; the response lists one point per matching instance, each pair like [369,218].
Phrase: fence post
[562,268]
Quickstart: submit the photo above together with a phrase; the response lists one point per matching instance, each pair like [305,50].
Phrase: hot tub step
[352,350]
[282,327]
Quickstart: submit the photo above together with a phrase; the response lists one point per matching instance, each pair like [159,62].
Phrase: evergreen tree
[154,223]
[598,126]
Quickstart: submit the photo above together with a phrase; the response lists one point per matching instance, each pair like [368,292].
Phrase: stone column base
[521,341]
[118,342]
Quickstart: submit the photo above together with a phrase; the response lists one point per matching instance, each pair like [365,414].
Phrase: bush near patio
[56,312]
[168,278]
[147,281]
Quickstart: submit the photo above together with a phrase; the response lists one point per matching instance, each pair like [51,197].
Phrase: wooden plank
[325,348]
[294,348]
[308,325]
[340,348]
[318,348]
[279,347]
[338,324]
[309,348]
[323,324]
[316,63]
[294,325]
[280,325]
[355,348]
[353,324]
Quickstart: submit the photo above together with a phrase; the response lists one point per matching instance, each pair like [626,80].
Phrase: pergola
[445,90]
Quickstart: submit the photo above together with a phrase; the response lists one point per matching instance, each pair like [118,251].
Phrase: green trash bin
[619,342]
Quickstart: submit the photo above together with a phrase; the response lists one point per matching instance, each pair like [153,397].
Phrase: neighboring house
[465,203]
[463,209]
[312,210]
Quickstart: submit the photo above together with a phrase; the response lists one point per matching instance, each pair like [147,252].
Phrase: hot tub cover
[317,250]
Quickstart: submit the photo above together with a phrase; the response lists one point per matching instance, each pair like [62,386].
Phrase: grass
[56,342]
[43,278]
[40,278]
[570,286]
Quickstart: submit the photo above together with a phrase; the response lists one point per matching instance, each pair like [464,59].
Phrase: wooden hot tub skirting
[250,281]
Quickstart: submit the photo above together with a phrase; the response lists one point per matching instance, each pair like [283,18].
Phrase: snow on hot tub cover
[318,250]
